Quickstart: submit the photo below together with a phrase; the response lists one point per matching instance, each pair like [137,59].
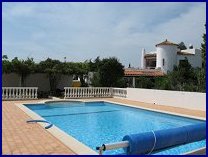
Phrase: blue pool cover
[144,143]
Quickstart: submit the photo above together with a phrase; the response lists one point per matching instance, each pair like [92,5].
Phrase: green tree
[81,71]
[203,50]
[182,78]
[201,79]
[201,72]
[96,80]
[144,82]
[23,68]
[6,65]
[53,68]
[93,66]
[4,57]
[162,83]
[182,46]
[110,73]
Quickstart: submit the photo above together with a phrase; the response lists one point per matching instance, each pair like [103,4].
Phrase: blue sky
[80,31]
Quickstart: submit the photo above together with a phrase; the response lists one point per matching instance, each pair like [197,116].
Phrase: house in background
[161,61]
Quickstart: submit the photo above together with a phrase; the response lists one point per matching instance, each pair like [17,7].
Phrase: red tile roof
[143,72]
[166,42]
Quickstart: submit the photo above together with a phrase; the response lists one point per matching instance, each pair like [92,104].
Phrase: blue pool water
[96,123]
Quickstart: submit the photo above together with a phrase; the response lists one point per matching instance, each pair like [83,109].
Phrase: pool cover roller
[145,143]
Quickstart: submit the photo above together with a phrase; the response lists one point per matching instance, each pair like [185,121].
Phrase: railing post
[76,92]
[73,95]
[93,91]
[111,92]
[30,95]
[23,93]
[65,92]
[2,93]
[36,93]
[10,93]
[33,90]
[68,91]
[13,93]
[20,93]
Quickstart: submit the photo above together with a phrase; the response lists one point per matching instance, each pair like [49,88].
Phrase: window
[163,61]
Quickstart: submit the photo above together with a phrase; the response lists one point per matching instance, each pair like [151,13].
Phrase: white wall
[189,100]
[195,60]
[169,54]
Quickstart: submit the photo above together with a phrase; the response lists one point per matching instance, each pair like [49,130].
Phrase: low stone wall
[39,80]
[10,80]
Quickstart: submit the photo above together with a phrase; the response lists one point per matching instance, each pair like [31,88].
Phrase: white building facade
[167,55]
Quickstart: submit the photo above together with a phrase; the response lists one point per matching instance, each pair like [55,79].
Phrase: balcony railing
[88,92]
[17,93]
[119,92]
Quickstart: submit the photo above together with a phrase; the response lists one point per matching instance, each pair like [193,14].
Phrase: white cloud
[82,31]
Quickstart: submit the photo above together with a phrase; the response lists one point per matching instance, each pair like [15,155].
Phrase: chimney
[143,59]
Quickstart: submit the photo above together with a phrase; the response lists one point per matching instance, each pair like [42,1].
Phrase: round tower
[166,55]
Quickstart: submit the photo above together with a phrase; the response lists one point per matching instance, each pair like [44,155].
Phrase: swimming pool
[96,123]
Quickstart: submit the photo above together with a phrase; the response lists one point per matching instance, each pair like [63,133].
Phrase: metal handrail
[42,121]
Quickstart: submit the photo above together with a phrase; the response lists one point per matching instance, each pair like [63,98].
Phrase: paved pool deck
[19,138]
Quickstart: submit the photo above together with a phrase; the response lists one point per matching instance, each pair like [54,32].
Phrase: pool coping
[80,148]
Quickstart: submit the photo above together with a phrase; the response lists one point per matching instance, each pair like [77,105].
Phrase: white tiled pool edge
[78,147]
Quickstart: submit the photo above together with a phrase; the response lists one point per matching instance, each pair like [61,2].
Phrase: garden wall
[39,80]
[189,100]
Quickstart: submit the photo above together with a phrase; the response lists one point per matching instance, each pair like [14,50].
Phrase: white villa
[163,59]
[167,55]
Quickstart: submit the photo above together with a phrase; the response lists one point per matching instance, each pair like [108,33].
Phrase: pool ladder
[42,121]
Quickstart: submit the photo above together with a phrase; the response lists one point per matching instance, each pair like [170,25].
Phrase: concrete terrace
[18,137]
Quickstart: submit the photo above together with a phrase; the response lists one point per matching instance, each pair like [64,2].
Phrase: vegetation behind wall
[109,72]
[182,78]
